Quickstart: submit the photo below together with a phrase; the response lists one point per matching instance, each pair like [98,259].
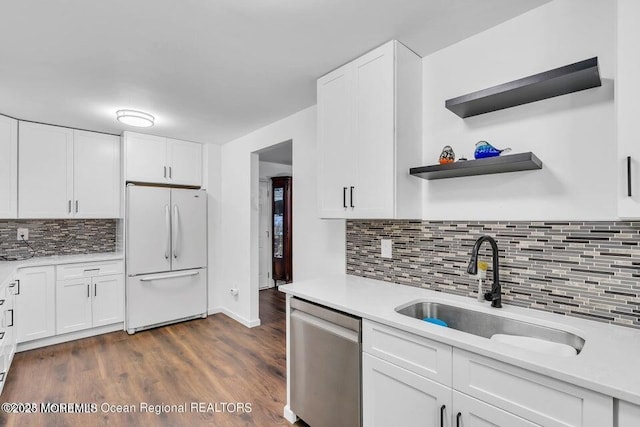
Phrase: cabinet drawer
[534,397]
[420,355]
[89,269]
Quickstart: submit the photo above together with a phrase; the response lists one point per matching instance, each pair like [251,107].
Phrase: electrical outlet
[22,233]
[386,246]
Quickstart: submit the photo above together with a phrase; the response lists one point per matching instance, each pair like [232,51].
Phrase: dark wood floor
[214,360]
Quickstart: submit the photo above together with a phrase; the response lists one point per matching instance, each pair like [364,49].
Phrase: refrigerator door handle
[169,276]
[167,221]
[175,231]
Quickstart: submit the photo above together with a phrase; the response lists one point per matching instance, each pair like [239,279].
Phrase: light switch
[386,246]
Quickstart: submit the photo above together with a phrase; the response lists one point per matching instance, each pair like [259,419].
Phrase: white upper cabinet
[66,173]
[96,175]
[185,167]
[160,160]
[627,89]
[8,167]
[369,135]
[145,158]
[45,171]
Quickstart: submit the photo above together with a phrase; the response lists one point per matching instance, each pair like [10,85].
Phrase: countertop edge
[465,342]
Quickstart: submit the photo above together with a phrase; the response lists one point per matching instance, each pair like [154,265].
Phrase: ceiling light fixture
[135,118]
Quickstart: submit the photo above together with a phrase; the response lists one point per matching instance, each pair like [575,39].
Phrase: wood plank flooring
[214,361]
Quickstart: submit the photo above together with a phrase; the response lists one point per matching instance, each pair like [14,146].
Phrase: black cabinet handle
[629,176]
[351,196]
[165,171]
[88,291]
[458,419]
[11,310]
[16,282]
[344,197]
[442,408]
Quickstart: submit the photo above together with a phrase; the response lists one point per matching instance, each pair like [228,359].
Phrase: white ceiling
[209,70]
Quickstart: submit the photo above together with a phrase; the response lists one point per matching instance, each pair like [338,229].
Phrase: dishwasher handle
[328,314]
[332,328]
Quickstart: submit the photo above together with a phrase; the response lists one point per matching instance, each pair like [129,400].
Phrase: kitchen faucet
[495,296]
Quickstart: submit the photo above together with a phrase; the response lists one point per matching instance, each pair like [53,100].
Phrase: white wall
[318,245]
[213,181]
[573,135]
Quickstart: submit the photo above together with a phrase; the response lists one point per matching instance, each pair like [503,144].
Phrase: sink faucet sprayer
[495,296]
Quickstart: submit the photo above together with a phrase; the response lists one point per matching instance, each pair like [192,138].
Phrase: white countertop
[8,268]
[609,363]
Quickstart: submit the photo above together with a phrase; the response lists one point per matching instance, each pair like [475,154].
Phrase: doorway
[273,162]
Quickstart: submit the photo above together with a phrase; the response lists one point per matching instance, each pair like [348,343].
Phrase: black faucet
[495,296]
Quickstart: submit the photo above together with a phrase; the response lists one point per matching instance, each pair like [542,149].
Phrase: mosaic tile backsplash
[583,269]
[58,237]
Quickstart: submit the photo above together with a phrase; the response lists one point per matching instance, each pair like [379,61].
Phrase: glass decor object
[484,150]
[447,155]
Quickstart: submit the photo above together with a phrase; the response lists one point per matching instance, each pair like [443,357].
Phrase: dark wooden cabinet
[282,221]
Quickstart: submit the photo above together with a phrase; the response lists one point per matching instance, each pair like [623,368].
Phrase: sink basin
[487,325]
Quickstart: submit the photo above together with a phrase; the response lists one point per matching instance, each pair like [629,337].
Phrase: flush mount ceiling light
[135,118]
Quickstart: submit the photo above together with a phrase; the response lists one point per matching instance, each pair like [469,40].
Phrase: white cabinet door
[145,158]
[393,396]
[45,171]
[335,153]
[470,412]
[628,414]
[627,89]
[36,303]
[369,134]
[96,183]
[108,300]
[185,166]
[73,304]
[8,167]
[373,133]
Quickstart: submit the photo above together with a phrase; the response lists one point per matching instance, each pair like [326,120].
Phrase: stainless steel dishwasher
[325,365]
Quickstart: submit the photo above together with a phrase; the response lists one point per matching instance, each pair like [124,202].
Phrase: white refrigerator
[166,256]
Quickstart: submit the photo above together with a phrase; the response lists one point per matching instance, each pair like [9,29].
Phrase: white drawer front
[89,269]
[537,398]
[423,356]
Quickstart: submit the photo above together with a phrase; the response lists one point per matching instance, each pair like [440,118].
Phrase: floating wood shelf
[560,81]
[500,164]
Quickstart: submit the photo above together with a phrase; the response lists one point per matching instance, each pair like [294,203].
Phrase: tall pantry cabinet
[370,134]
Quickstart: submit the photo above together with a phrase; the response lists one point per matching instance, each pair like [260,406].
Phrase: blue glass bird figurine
[484,150]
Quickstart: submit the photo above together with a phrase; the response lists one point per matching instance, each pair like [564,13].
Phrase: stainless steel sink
[487,325]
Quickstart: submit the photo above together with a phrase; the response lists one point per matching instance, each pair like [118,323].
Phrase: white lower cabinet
[73,299]
[35,311]
[392,395]
[470,412]
[7,329]
[108,300]
[91,300]
[399,388]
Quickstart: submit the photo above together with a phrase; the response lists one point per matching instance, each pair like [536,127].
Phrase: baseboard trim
[289,415]
[246,322]
[72,336]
